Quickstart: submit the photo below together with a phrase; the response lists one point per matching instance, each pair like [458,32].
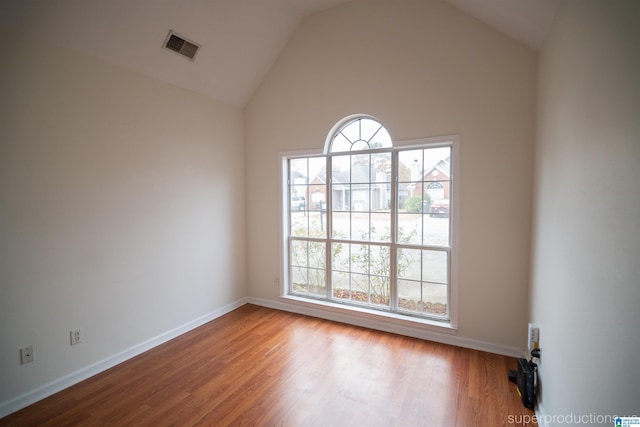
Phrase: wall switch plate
[26,354]
[76,336]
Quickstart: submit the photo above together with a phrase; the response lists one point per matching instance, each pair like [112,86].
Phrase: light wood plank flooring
[261,367]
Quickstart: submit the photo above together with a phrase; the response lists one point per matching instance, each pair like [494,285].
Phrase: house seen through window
[368,223]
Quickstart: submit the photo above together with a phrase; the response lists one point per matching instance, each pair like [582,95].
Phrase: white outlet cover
[75,336]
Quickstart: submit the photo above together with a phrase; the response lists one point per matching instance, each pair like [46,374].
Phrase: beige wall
[585,270]
[424,69]
[119,202]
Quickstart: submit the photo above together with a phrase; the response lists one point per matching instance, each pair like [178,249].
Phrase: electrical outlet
[76,336]
[26,354]
[534,336]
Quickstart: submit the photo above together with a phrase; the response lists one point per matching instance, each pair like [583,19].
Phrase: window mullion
[329,237]
[393,281]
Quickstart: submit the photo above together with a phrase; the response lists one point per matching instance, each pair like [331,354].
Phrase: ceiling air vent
[181,45]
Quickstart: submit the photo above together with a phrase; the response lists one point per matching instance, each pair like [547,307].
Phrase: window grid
[372,273]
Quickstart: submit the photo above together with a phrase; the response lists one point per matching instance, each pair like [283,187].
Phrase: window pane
[409,264]
[360,195]
[341,285]
[317,256]
[422,281]
[340,256]
[380,290]
[368,129]
[352,131]
[411,165]
[359,145]
[340,143]
[341,223]
[380,260]
[360,168]
[381,227]
[409,295]
[308,281]
[434,266]
[409,228]
[317,282]
[298,171]
[299,224]
[382,165]
[298,197]
[413,203]
[434,191]
[340,166]
[317,224]
[381,139]
[308,269]
[436,230]
[436,188]
[299,279]
[341,198]
[374,134]
[317,167]
[360,226]
[423,298]
[424,188]
[437,159]
[380,197]
[316,200]
[360,287]
[299,255]
[434,299]
[361,273]
[359,258]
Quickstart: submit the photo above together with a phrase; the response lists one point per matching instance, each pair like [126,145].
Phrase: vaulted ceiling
[240,38]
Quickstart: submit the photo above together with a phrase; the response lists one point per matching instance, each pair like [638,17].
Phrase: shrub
[413,204]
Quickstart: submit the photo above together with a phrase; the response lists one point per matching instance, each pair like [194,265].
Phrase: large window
[368,222]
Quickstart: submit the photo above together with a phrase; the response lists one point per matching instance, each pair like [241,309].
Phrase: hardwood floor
[261,367]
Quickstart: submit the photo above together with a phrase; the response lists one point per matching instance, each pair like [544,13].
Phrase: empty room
[320,212]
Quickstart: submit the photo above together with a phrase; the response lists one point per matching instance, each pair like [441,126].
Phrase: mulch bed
[435,308]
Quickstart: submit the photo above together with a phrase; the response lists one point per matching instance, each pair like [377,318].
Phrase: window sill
[361,316]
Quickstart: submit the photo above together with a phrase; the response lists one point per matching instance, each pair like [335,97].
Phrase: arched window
[435,190]
[364,237]
[360,133]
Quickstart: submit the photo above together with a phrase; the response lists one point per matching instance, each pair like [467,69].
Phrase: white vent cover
[181,45]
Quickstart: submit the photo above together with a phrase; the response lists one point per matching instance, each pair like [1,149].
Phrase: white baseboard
[351,317]
[343,316]
[60,384]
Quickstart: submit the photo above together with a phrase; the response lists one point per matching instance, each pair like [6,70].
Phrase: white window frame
[449,326]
